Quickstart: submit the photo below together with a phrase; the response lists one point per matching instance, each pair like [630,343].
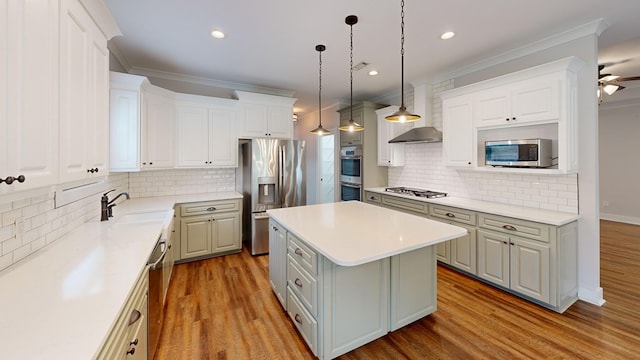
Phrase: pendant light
[352,125]
[402,115]
[320,130]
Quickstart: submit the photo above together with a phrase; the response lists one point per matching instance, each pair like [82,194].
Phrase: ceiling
[270,45]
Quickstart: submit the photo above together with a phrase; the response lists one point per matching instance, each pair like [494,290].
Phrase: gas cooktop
[415,192]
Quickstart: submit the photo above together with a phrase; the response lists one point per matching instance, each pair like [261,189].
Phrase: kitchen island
[349,272]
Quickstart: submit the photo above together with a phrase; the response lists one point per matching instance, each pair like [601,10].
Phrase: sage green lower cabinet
[339,308]
[533,260]
[210,228]
[278,261]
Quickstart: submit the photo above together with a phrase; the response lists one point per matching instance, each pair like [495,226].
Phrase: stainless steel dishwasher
[156,294]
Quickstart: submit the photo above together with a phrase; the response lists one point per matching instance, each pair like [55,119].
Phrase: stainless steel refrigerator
[272,176]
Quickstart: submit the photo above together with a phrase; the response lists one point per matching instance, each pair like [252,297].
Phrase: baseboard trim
[592,296]
[620,218]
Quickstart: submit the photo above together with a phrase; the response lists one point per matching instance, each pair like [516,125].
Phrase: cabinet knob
[10,179]
[132,351]
[451,215]
[144,163]
[134,342]
[150,163]
[298,319]
[507,119]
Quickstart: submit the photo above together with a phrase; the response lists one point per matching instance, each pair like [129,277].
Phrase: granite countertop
[550,217]
[352,233]
[61,302]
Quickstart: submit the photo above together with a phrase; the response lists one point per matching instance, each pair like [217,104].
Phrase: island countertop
[352,233]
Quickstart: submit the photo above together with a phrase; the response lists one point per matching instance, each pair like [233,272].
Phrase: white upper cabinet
[142,124]
[538,102]
[520,103]
[28,94]
[390,154]
[265,116]
[206,132]
[457,132]
[84,94]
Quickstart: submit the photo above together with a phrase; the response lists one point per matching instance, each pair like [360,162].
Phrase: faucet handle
[105,194]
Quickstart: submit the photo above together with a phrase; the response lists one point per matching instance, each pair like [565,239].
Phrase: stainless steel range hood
[418,135]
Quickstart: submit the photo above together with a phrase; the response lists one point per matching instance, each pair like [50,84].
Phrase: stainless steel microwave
[518,153]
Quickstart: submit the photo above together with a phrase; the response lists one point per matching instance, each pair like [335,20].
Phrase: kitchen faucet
[106,206]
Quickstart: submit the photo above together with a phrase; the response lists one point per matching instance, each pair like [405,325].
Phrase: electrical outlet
[605,203]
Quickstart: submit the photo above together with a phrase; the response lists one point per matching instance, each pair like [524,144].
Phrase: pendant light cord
[402,53]
[351,74]
[320,91]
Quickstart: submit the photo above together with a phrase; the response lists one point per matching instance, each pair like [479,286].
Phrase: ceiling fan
[609,84]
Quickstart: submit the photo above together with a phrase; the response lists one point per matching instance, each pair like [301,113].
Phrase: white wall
[619,126]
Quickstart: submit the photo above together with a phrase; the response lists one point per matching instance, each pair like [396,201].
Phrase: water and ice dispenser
[267,190]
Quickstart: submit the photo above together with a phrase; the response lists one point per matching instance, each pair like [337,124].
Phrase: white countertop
[550,217]
[352,233]
[61,302]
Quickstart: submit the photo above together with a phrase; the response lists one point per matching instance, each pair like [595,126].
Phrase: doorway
[327,168]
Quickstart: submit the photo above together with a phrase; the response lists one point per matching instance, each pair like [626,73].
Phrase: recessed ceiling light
[217,34]
[448,35]
[373,72]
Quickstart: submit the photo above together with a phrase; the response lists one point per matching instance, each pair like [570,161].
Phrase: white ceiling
[270,45]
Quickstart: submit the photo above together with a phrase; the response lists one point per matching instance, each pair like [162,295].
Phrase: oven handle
[154,266]
[354,186]
[348,157]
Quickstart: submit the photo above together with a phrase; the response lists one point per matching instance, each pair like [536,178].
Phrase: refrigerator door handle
[280,174]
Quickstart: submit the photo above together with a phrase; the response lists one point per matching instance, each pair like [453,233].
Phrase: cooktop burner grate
[415,192]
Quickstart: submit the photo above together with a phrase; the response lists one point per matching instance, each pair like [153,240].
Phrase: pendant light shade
[320,130]
[351,125]
[402,115]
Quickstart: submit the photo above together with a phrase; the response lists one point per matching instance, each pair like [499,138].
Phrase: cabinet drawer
[304,322]
[528,229]
[209,207]
[405,204]
[453,214]
[372,197]
[302,254]
[303,284]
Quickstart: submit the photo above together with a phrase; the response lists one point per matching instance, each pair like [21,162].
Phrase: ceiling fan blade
[629,78]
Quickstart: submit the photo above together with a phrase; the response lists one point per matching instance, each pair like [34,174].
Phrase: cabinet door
[463,250]
[390,154]
[254,120]
[536,100]
[493,257]
[278,261]
[492,107]
[225,232]
[443,252]
[158,132]
[28,93]
[124,130]
[195,236]
[457,132]
[223,141]
[193,136]
[84,78]
[280,122]
[530,268]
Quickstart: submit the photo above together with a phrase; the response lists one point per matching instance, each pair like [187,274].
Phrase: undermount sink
[141,217]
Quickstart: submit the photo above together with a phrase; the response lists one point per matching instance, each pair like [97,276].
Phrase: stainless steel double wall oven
[351,173]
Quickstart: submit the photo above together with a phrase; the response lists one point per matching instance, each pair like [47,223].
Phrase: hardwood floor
[224,308]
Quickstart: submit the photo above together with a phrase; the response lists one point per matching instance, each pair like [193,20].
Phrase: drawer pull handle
[509,227]
[298,282]
[451,215]
[132,351]
[298,319]
[297,251]
[135,316]
[10,179]
[134,342]
[211,209]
